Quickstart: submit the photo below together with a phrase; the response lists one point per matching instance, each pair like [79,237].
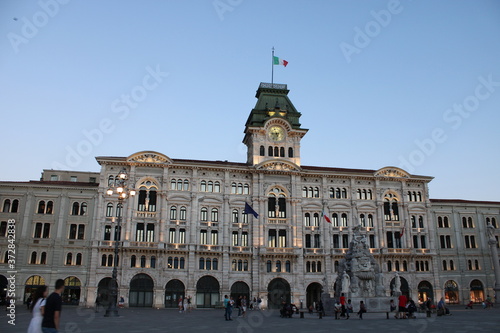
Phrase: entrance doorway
[476,291]
[278,291]
[173,291]
[207,292]
[425,291]
[313,294]
[141,291]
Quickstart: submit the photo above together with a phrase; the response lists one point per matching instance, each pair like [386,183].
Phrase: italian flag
[278,61]
[327,219]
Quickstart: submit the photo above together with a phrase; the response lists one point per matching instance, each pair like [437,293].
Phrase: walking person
[180,305]
[362,309]
[342,303]
[401,307]
[238,305]
[52,310]
[230,306]
[37,309]
[185,304]
[243,306]
[337,308]
[226,307]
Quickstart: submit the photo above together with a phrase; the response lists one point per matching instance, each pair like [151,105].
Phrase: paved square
[76,320]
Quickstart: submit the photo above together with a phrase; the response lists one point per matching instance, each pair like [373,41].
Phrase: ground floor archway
[476,291]
[240,288]
[451,292]
[405,288]
[313,294]
[174,290]
[425,291]
[103,291]
[141,291]
[31,285]
[278,291]
[72,290]
[207,292]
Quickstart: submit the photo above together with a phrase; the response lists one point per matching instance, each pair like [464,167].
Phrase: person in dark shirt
[53,307]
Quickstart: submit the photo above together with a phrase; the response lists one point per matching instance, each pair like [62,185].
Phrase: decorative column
[494,256]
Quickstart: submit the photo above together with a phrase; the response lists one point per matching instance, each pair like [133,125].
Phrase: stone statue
[491,232]
[397,283]
[346,282]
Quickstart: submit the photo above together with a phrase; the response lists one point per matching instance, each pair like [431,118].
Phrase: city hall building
[187,233]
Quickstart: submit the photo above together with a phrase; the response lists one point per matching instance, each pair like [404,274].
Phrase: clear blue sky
[371,78]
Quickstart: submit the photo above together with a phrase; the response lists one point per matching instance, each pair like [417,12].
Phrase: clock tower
[272,130]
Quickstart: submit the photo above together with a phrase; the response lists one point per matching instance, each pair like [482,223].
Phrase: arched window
[233,188]
[119,210]
[6,206]
[278,266]
[335,220]
[153,262]
[234,266]
[111,180]
[204,214]
[202,263]
[170,262]
[179,184]
[83,208]
[307,219]
[214,215]
[362,220]
[43,258]
[469,264]
[143,261]
[208,264]
[133,261]
[420,222]
[176,262]
[282,152]
[445,265]
[396,266]
[370,220]
[240,188]
[41,207]
[405,265]
[203,186]
[33,258]
[290,152]
[240,265]
[445,222]
[234,216]
[50,208]
[313,266]
[276,152]
[316,219]
[186,185]
[182,213]
[246,189]
[452,266]
[304,192]
[288,266]
[69,258]
[210,186]
[181,262]
[344,193]
[464,222]
[110,260]
[476,264]
[109,209]
[103,260]
[413,221]
[493,222]
[262,151]
[78,259]
[343,220]
[440,222]
[316,192]
[389,266]
[173,183]
[173,213]
[308,267]
[217,187]
[215,264]
[391,210]
[270,151]
[336,266]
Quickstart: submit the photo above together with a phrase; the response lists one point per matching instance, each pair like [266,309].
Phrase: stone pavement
[76,320]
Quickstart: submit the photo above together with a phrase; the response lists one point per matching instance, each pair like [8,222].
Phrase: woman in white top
[37,307]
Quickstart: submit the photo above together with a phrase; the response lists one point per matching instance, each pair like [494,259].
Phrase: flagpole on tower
[272,69]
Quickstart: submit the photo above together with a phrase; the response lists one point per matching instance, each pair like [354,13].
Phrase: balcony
[109,243]
[212,248]
[288,250]
[339,251]
[313,251]
[276,221]
[400,251]
[150,245]
[240,249]
[176,246]
[147,215]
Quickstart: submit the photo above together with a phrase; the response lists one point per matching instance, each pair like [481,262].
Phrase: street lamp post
[120,188]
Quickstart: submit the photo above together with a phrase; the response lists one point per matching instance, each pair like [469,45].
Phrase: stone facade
[186,231]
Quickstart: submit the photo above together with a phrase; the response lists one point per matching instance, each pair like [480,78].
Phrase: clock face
[276,133]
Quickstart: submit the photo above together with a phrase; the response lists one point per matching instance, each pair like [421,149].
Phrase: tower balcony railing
[144,214]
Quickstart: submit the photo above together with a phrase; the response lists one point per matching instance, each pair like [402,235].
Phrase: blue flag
[250,210]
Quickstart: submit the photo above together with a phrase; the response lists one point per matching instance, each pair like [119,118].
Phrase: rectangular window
[215,237]
[182,236]
[46,230]
[372,241]
[235,238]
[317,241]
[38,230]
[171,236]
[72,231]
[415,242]
[271,240]
[397,240]
[74,179]
[448,242]
[81,231]
[442,242]
[244,238]
[139,234]
[282,238]
[203,237]
[54,178]
[150,232]
[336,242]
[345,241]
[423,244]
[107,232]
[308,241]
[390,243]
